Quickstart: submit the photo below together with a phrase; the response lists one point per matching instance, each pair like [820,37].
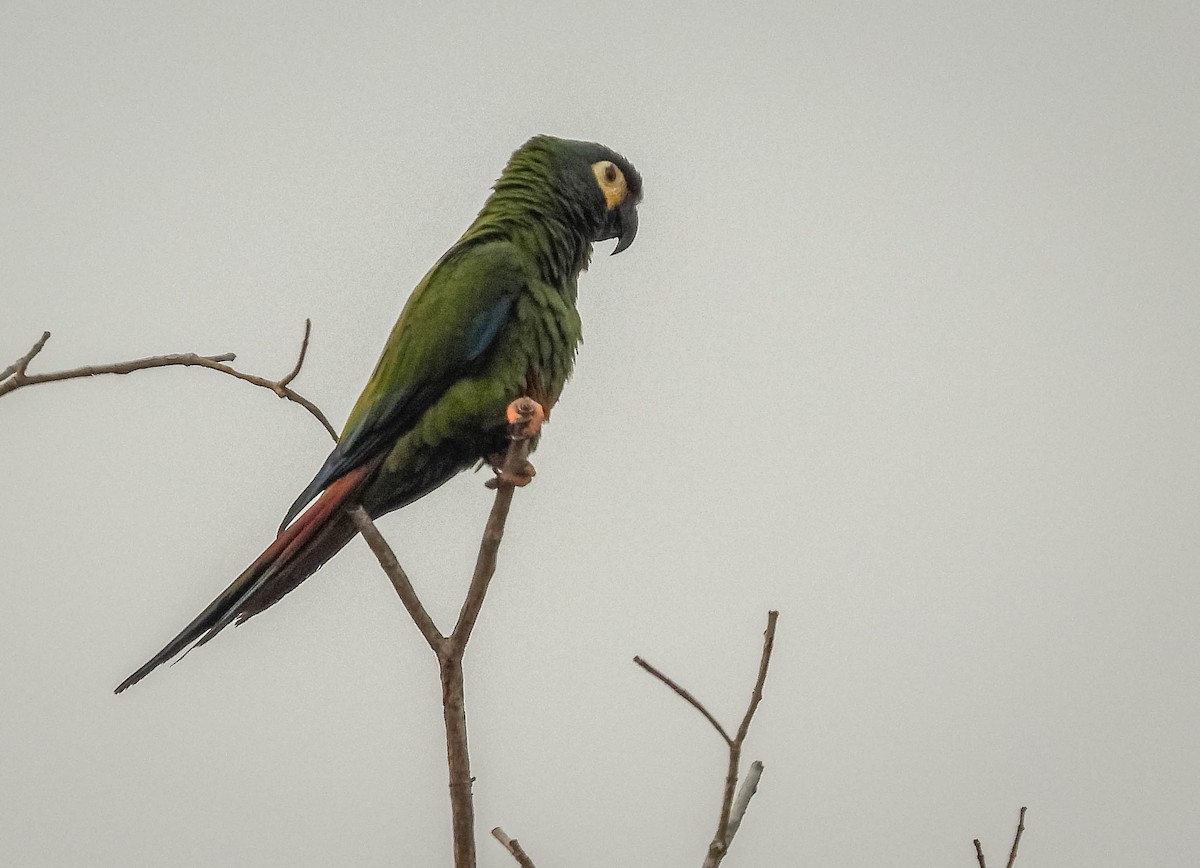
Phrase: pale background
[907,349]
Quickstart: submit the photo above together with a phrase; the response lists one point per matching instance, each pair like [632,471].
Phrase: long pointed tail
[297,553]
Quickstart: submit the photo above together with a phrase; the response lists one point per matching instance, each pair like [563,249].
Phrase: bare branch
[525,417]
[514,847]
[515,471]
[395,572]
[1012,854]
[730,819]
[15,375]
[687,697]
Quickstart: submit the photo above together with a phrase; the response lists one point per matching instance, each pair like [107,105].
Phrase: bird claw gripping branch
[525,418]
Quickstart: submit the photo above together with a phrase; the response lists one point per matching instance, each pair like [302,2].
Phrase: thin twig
[513,846]
[686,696]
[395,572]
[292,374]
[18,367]
[765,661]
[1012,855]
[15,376]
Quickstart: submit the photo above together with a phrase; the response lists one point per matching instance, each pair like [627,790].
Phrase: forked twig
[450,649]
[732,812]
[16,375]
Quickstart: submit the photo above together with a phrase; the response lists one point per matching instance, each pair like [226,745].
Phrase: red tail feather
[297,553]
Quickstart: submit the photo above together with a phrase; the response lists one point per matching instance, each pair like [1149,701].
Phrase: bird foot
[525,418]
[519,477]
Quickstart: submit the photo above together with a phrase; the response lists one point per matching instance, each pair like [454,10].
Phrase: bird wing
[445,332]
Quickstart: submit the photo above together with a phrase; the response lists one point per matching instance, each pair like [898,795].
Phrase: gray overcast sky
[906,349]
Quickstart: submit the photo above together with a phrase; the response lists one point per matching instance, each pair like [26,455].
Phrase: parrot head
[602,178]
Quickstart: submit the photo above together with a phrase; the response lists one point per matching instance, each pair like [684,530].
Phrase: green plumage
[493,320]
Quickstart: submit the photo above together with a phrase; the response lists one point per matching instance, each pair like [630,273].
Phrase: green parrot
[492,321]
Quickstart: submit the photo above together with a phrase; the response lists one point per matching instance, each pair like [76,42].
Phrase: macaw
[493,320]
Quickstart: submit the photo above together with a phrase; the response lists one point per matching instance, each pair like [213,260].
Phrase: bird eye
[611,181]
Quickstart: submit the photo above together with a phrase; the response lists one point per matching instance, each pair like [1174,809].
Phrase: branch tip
[292,374]
[513,846]
[17,369]
[1012,854]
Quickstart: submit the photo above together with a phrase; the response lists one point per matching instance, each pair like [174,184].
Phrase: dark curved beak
[622,224]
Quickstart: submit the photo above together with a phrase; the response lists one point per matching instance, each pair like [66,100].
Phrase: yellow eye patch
[612,182]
